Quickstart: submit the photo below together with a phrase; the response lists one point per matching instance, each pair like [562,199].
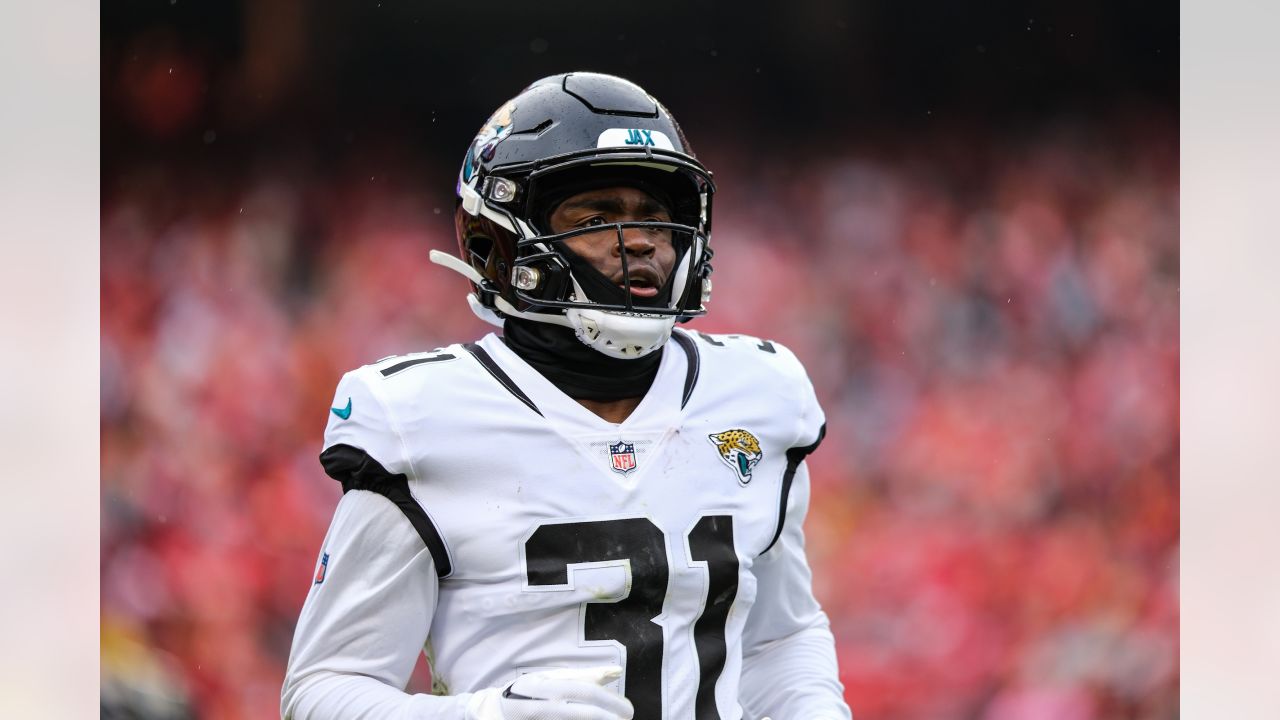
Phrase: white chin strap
[624,336]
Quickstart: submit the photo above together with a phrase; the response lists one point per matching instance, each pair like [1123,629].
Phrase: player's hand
[559,694]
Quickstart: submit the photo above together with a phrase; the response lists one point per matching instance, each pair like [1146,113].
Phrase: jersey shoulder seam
[411,472]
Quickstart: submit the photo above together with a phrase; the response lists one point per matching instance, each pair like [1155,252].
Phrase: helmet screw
[525,278]
[706,290]
[502,190]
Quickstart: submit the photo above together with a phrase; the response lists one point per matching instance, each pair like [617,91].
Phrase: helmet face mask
[599,291]
[560,136]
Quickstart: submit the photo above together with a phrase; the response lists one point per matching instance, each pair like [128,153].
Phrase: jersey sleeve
[365,621]
[789,660]
[810,418]
[371,604]
[789,667]
[364,450]
[361,419]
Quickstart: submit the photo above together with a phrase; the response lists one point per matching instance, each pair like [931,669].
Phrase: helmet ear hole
[480,249]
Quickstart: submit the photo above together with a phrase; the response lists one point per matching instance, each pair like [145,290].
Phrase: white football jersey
[540,535]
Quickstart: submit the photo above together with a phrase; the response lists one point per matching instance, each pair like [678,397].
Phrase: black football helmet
[562,135]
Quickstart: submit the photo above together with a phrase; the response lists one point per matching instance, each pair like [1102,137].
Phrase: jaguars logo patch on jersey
[740,450]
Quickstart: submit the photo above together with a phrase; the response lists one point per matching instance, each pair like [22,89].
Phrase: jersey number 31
[552,548]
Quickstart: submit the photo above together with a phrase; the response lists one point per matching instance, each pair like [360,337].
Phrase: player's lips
[644,282]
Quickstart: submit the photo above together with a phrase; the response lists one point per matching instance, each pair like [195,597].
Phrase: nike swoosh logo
[343,413]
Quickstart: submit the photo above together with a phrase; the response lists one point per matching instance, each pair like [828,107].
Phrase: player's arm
[789,661]
[372,602]
[365,620]
[789,667]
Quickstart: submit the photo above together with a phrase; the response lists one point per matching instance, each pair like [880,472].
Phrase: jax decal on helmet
[564,134]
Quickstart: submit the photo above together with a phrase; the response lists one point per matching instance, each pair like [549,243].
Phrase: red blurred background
[964,222]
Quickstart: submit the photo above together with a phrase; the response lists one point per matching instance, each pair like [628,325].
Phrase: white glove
[559,694]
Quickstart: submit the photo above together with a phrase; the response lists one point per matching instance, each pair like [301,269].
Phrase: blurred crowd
[990,322]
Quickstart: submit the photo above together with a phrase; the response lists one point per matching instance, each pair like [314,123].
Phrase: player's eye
[593,220]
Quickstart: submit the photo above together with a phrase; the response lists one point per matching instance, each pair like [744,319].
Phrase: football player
[592,515]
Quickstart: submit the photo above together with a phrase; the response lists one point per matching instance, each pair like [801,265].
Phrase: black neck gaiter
[579,372]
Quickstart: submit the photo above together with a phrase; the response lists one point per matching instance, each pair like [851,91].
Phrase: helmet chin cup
[626,337]
[483,312]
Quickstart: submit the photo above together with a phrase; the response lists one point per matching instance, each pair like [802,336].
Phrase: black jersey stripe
[498,374]
[795,456]
[388,372]
[695,364]
[356,470]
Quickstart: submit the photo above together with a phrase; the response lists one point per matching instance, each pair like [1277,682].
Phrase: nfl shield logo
[322,569]
[624,457]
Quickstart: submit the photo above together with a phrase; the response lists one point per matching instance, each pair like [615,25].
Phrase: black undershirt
[579,372]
